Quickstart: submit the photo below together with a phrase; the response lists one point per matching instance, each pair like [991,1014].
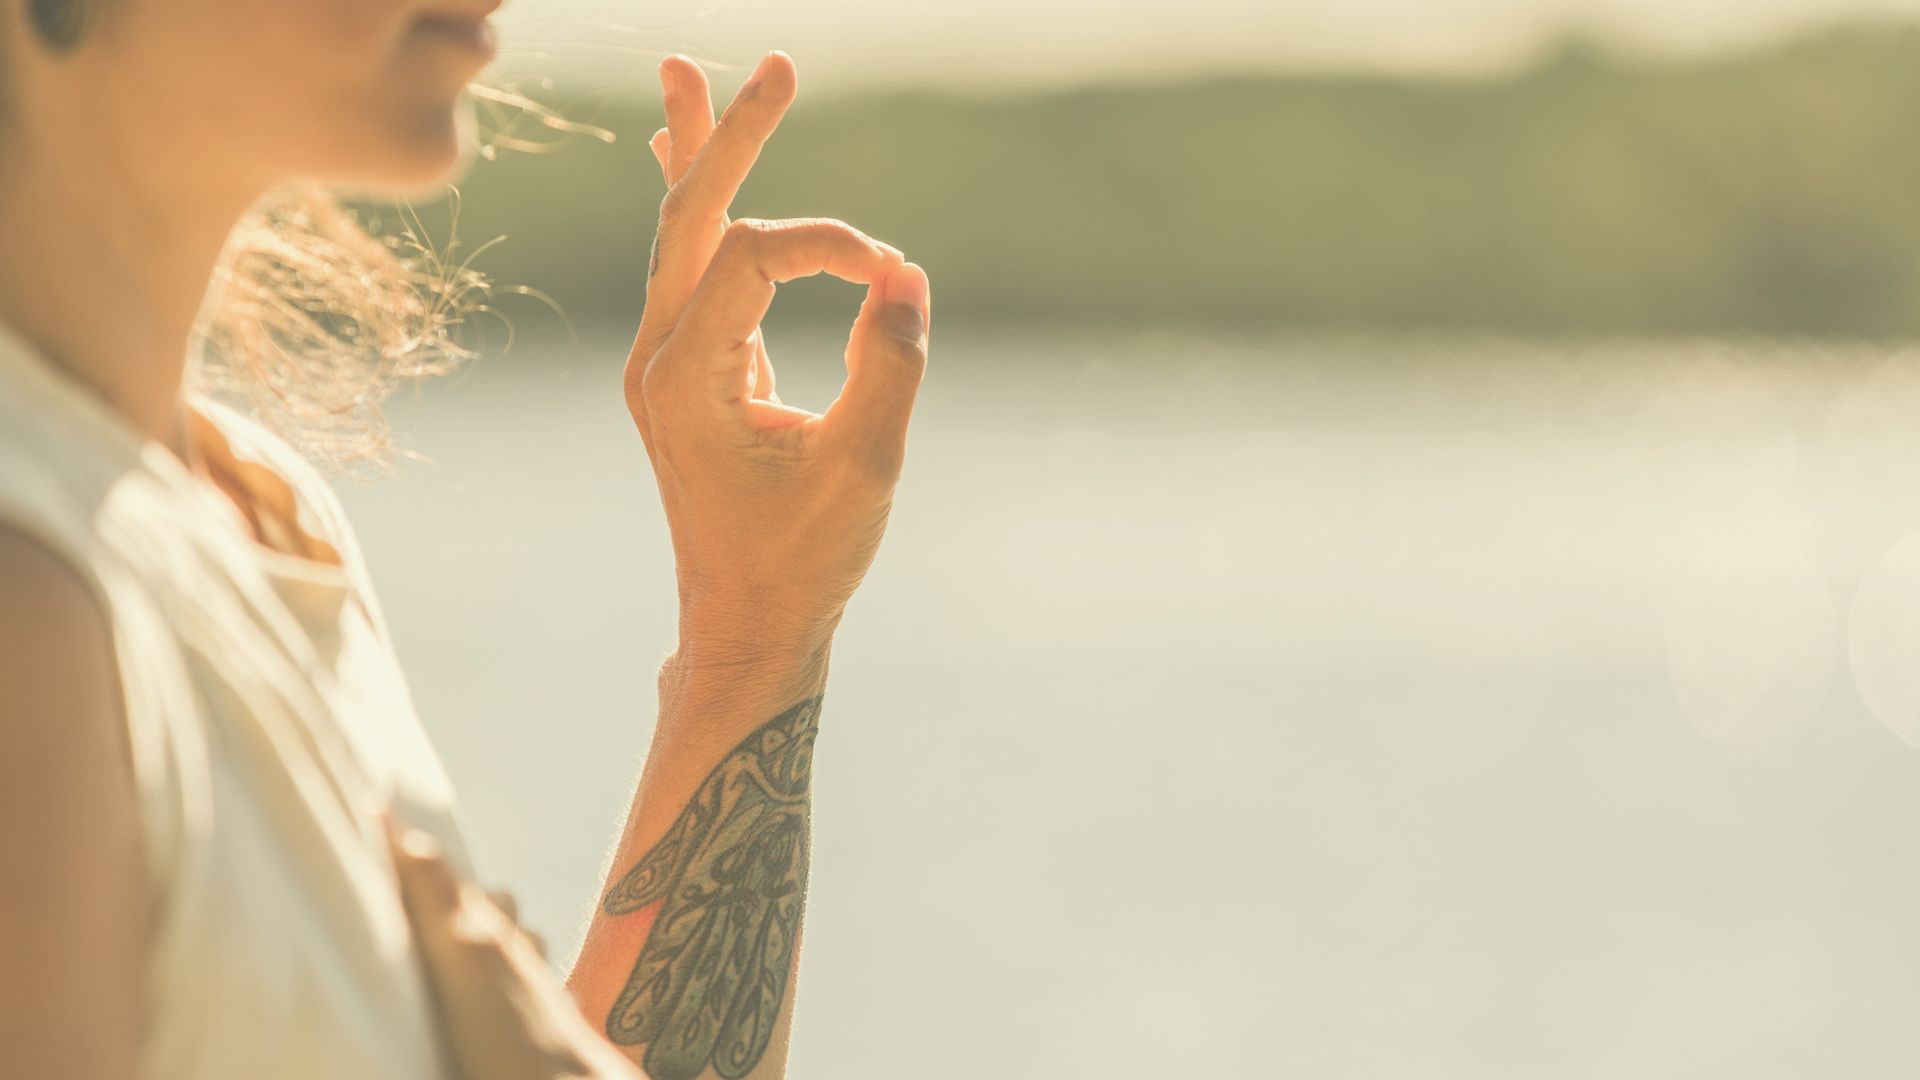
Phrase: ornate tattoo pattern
[731,879]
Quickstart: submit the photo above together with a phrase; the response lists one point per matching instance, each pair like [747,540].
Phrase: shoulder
[51,623]
[73,896]
[60,706]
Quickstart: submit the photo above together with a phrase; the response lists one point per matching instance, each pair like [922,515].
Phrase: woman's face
[260,91]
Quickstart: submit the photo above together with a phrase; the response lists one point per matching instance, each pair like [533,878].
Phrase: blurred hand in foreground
[505,1014]
[776,513]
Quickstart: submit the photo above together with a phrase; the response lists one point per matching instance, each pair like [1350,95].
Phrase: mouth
[471,34]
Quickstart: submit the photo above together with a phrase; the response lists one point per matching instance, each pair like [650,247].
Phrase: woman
[225,846]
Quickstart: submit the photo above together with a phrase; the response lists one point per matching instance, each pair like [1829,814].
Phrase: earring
[60,23]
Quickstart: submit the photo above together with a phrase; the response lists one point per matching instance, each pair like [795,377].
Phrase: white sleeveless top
[269,726]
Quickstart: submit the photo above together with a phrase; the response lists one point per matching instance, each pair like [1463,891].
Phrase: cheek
[327,89]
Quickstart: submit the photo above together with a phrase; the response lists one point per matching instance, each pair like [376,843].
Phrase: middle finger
[684,93]
[695,214]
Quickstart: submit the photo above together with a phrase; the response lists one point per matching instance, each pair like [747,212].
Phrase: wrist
[714,673]
[737,628]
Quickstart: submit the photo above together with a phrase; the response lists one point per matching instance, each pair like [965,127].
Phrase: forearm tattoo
[730,877]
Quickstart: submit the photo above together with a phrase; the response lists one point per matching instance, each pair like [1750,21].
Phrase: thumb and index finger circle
[712,350]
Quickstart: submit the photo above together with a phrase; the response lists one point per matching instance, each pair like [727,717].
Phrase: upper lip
[475,11]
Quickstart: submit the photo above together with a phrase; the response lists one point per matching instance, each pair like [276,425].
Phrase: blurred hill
[1775,192]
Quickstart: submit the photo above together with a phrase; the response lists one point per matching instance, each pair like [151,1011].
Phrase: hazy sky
[982,43]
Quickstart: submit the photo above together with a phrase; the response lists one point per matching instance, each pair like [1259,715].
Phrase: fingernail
[908,285]
[759,73]
[420,844]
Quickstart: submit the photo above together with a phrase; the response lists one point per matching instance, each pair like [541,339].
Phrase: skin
[123,166]
[72,876]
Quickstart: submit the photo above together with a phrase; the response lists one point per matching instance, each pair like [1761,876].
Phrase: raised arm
[688,966]
[775,515]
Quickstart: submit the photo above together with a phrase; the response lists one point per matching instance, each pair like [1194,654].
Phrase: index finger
[429,888]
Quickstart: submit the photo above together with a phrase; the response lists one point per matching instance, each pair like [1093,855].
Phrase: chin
[418,150]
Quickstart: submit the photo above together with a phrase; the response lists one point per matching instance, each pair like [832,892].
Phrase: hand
[505,1014]
[775,513]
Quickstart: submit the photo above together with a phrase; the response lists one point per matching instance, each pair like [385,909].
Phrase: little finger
[662,145]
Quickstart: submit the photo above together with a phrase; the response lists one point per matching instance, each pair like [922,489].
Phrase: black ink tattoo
[731,879]
[653,262]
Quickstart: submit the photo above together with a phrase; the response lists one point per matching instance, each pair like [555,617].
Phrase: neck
[107,265]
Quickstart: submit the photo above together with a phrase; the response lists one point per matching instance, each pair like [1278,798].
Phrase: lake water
[1298,707]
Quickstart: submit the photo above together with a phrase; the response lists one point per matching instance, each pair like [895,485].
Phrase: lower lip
[474,35]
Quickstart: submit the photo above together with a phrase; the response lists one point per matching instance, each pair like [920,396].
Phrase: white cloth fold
[269,726]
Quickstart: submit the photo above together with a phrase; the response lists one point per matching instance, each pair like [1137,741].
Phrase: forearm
[776,515]
[690,959]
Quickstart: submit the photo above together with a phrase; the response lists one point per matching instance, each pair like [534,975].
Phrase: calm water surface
[1308,708]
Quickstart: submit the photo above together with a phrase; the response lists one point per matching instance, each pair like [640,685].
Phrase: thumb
[886,359]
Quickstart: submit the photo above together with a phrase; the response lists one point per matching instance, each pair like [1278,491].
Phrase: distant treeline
[1777,193]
